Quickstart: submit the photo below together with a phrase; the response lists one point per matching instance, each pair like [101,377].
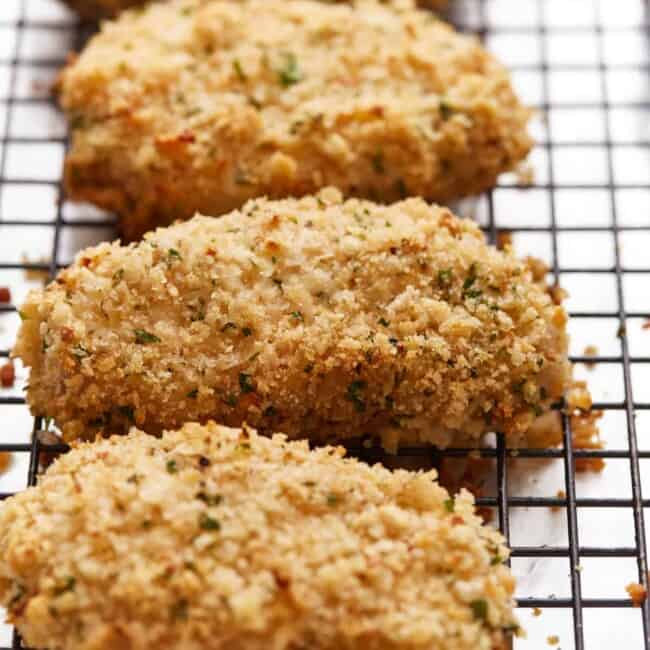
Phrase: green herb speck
[208,523]
[290,73]
[480,609]
[143,337]
[246,383]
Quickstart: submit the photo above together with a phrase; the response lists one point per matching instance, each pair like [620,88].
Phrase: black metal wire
[502,501]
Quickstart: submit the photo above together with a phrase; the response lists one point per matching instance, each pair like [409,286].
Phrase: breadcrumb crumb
[590,351]
[637,592]
[7,375]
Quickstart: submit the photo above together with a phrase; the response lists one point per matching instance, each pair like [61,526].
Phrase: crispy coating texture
[312,316]
[100,9]
[196,105]
[214,538]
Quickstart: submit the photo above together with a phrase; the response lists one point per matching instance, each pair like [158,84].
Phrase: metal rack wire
[539,28]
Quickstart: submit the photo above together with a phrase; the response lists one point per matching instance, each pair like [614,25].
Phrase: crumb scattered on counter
[504,240]
[5,295]
[537,612]
[553,640]
[646,325]
[7,375]
[590,351]
[637,592]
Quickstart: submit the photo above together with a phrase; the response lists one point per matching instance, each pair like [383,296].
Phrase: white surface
[580,160]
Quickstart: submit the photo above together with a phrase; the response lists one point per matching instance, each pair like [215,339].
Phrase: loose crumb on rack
[558,294]
[7,375]
[553,639]
[646,325]
[504,240]
[590,351]
[525,174]
[5,461]
[561,494]
[38,275]
[5,295]
[637,592]
[578,397]
[537,612]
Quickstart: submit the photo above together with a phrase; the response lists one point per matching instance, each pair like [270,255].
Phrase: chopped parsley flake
[332,500]
[246,383]
[298,316]
[193,394]
[479,608]
[68,585]
[173,254]
[384,322]
[239,71]
[171,467]
[143,337]
[450,505]
[444,277]
[445,108]
[210,499]
[246,331]
[208,523]
[354,395]
[290,73]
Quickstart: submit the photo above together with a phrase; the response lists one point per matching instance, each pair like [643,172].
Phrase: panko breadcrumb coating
[98,9]
[304,316]
[199,105]
[215,538]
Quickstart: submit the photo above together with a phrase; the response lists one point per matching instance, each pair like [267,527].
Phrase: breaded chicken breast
[311,317]
[98,9]
[199,105]
[215,538]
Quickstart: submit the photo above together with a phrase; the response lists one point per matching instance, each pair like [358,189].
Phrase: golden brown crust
[217,539]
[198,105]
[313,317]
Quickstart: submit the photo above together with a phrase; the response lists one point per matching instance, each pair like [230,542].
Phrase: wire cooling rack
[584,64]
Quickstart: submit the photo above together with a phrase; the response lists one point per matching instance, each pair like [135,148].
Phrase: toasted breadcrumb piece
[590,351]
[7,375]
[311,316]
[637,592]
[224,101]
[213,538]
[5,295]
